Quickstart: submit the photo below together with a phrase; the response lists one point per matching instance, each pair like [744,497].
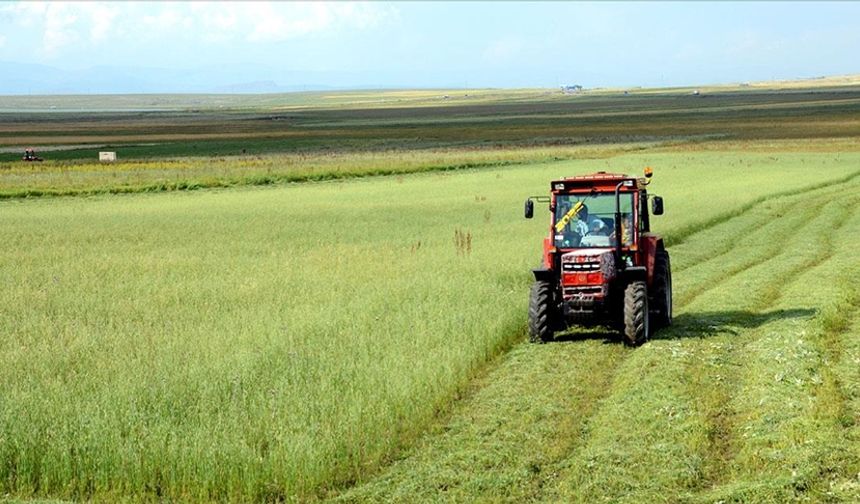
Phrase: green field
[257,143]
[340,339]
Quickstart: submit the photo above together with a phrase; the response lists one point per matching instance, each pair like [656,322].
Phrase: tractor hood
[589,254]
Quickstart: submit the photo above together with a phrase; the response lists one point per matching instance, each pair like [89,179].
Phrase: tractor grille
[577,267]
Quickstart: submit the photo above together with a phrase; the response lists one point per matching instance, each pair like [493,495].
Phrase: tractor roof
[600,180]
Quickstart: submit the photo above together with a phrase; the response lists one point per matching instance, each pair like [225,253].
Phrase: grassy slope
[752,396]
[245,344]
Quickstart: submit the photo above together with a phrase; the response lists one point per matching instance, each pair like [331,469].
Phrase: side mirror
[530,209]
[657,205]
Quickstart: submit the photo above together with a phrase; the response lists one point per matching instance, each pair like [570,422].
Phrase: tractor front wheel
[636,319]
[542,312]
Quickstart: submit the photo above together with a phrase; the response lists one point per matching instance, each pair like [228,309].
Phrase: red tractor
[601,263]
[30,155]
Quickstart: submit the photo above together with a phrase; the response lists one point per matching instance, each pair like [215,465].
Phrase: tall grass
[276,343]
[64,178]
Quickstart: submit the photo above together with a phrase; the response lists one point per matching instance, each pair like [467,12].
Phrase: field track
[751,396]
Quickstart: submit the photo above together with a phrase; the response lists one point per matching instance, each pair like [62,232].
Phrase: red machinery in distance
[30,155]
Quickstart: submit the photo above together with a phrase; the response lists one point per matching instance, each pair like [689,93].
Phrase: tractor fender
[544,274]
[548,250]
[651,244]
[634,274]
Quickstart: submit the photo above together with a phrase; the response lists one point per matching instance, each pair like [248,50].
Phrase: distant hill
[822,81]
[255,78]
[34,79]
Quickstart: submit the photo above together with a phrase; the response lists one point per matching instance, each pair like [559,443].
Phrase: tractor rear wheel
[636,319]
[542,312]
[661,301]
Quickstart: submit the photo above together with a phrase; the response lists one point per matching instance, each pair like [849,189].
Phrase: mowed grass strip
[841,355]
[659,425]
[717,370]
[673,424]
[753,236]
[276,343]
[768,230]
[504,442]
[794,406]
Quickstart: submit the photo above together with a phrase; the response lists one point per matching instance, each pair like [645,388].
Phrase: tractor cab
[599,243]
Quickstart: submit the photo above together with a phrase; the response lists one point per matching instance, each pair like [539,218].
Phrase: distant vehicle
[30,155]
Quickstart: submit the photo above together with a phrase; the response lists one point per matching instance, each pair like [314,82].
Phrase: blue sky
[413,44]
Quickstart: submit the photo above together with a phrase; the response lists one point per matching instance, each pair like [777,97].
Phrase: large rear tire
[542,312]
[661,301]
[636,318]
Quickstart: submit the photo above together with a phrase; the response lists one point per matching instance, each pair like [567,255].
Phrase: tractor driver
[582,225]
[588,226]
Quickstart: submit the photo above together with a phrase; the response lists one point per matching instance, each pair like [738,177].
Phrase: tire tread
[636,314]
[541,312]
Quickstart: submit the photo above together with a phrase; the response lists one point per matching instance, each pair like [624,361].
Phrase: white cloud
[283,24]
[279,21]
[165,20]
[86,25]
[60,30]
[25,13]
[64,23]
[103,19]
[744,44]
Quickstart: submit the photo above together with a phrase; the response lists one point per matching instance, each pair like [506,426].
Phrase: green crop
[282,342]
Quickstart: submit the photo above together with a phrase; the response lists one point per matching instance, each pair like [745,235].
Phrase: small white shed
[107,156]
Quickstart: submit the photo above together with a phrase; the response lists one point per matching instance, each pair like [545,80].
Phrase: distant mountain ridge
[35,79]
[21,79]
